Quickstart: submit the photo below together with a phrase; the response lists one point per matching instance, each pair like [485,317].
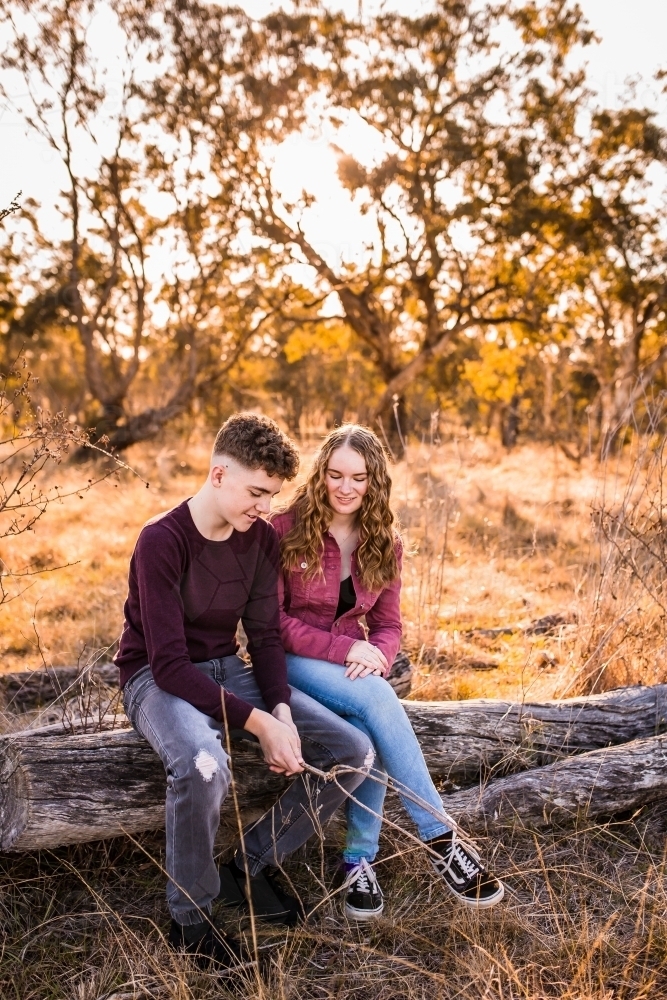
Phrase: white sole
[479,904]
[361,915]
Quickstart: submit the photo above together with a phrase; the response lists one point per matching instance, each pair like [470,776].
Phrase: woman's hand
[364,659]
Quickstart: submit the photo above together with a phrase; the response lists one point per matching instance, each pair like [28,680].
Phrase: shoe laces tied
[363,878]
[465,858]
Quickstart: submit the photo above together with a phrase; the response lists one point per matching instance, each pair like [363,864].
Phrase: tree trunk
[58,789]
[143,426]
[599,784]
[467,740]
[108,421]
[510,423]
[548,399]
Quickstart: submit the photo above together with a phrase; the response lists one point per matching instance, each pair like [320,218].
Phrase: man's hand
[279,742]
[364,659]
[283,713]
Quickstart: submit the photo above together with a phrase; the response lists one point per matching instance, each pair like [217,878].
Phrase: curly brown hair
[376,554]
[258,443]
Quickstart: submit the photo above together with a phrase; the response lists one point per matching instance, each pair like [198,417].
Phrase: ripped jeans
[191,747]
[370,704]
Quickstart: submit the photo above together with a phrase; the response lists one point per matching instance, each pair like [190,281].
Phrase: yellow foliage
[494,376]
[321,338]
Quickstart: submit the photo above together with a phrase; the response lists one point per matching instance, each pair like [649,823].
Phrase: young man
[195,572]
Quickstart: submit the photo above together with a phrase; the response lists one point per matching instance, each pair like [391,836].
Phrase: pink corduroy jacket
[308,607]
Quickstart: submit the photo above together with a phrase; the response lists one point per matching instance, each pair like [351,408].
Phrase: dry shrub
[33,444]
[622,637]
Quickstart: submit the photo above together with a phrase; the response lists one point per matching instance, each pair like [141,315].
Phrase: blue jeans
[370,704]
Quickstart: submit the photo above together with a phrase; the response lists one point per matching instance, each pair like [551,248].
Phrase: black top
[347,597]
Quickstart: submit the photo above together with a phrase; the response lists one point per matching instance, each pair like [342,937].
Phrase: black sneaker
[363,895]
[270,902]
[209,946]
[461,869]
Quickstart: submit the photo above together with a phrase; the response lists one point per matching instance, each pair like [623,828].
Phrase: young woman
[341,560]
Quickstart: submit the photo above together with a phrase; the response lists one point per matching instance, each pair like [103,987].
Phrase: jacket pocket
[299,590]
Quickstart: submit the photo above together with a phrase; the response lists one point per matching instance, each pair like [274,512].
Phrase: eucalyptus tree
[153,275]
[615,256]
[503,210]
[473,134]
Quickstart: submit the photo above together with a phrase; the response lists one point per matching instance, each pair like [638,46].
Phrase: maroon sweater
[186,596]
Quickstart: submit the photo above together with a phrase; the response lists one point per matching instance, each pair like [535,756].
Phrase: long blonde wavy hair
[376,554]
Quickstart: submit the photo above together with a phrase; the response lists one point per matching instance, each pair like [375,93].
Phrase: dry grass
[493,541]
[584,918]
[69,614]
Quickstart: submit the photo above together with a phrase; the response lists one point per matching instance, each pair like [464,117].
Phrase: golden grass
[492,541]
[76,612]
[584,919]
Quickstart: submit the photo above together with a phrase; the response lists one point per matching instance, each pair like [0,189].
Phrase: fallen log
[67,789]
[602,783]
[59,789]
[466,741]
[462,741]
[400,675]
[27,690]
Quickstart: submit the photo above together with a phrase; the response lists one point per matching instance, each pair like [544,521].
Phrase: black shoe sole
[231,895]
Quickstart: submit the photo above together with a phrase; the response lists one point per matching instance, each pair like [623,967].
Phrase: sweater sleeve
[158,563]
[261,621]
[384,618]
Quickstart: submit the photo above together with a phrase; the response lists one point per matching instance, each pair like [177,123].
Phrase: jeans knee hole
[206,764]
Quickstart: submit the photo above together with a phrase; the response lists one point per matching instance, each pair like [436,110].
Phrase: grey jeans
[191,747]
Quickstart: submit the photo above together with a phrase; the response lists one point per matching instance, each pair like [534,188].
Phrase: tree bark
[467,740]
[59,789]
[595,785]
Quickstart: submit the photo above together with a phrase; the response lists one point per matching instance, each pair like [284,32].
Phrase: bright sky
[632,45]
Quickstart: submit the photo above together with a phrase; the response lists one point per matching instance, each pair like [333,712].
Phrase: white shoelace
[465,859]
[363,878]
